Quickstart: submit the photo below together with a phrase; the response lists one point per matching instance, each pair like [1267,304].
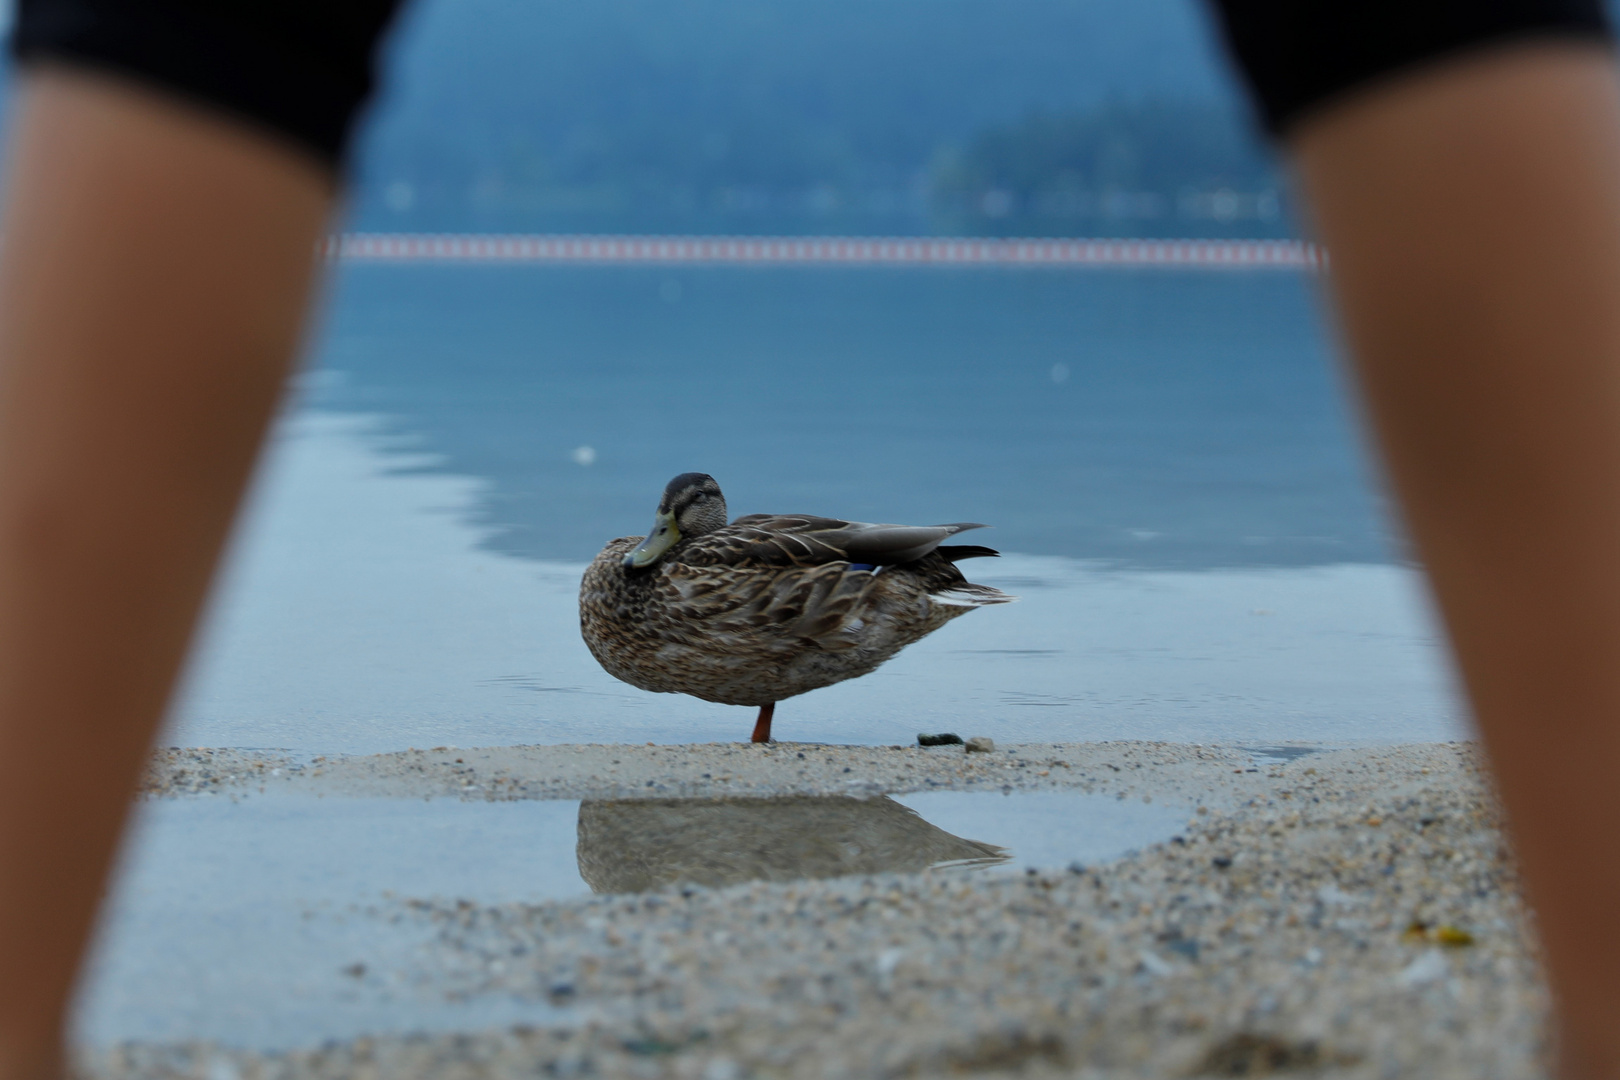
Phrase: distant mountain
[770,115]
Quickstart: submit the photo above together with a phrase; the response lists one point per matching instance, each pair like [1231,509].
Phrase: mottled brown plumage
[769,606]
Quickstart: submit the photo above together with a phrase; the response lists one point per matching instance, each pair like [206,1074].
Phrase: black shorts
[304,68]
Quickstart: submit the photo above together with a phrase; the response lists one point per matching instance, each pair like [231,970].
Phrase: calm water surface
[1157,419]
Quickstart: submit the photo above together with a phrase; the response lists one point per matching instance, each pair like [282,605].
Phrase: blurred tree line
[1152,167]
[804,116]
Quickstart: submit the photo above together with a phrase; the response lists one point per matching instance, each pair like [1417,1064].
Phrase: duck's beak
[665,535]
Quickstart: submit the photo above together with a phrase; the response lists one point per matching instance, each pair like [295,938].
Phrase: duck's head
[692,505]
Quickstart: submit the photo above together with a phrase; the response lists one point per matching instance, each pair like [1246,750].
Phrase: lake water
[1168,459]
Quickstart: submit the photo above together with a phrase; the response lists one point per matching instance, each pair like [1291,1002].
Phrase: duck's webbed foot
[762,726]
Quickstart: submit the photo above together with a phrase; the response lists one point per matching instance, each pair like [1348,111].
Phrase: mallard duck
[769,606]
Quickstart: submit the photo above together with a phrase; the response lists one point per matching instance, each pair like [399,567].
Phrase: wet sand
[1345,913]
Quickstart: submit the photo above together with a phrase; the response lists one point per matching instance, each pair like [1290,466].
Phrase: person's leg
[154,272]
[1472,212]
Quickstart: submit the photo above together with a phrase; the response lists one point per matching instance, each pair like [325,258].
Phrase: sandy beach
[1344,913]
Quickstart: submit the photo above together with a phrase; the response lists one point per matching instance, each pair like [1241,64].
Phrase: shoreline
[1182,772]
[1345,913]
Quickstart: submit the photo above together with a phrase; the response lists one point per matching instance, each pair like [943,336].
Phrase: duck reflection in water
[638,845]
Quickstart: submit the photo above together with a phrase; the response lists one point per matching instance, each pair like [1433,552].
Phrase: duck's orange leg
[762,726]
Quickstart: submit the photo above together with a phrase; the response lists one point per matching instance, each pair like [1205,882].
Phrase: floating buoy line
[827,251]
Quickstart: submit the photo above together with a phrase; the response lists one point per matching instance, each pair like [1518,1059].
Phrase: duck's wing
[804,540]
[763,606]
[792,578]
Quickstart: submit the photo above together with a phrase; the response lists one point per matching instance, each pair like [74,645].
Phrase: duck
[769,606]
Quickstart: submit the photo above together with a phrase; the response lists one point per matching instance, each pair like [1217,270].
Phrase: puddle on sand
[641,845]
[246,922]
[236,920]
[1279,755]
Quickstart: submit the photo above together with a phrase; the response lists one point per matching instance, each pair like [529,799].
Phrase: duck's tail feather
[967,594]
[958,552]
